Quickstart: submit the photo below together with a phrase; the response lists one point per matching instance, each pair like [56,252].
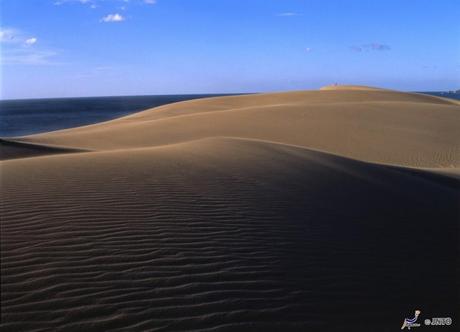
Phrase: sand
[335,209]
[371,125]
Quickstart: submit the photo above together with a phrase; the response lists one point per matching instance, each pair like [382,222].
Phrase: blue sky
[59,48]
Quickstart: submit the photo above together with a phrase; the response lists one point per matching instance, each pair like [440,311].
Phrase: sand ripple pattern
[221,235]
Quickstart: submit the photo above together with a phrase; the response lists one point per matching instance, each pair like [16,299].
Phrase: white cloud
[150,2]
[113,18]
[308,49]
[31,41]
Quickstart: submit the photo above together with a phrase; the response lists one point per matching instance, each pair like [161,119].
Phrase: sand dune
[371,125]
[167,225]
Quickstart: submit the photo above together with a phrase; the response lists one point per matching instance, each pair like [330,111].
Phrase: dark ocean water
[444,94]
[30,116]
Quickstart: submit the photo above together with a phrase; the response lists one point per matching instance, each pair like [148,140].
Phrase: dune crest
[352,88]
[372,125]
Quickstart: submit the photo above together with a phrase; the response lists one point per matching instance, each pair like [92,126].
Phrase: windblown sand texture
[335,209]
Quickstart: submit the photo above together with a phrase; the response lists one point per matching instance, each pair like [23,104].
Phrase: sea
[22,117]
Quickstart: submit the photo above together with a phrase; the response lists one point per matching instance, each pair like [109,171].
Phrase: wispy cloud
[100,3]
[10,35]
[27,56]
[308,49]
[99,71]
[113,18]
[61,2]
[370,47]
[379,47]
[6,35]
[433,67]
[288,14]
[14,36]
[20,48]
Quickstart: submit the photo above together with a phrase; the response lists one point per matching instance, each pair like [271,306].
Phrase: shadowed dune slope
[223,235]
[16,149]
[367,124]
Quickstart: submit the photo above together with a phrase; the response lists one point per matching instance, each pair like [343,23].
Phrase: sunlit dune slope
[363,123]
